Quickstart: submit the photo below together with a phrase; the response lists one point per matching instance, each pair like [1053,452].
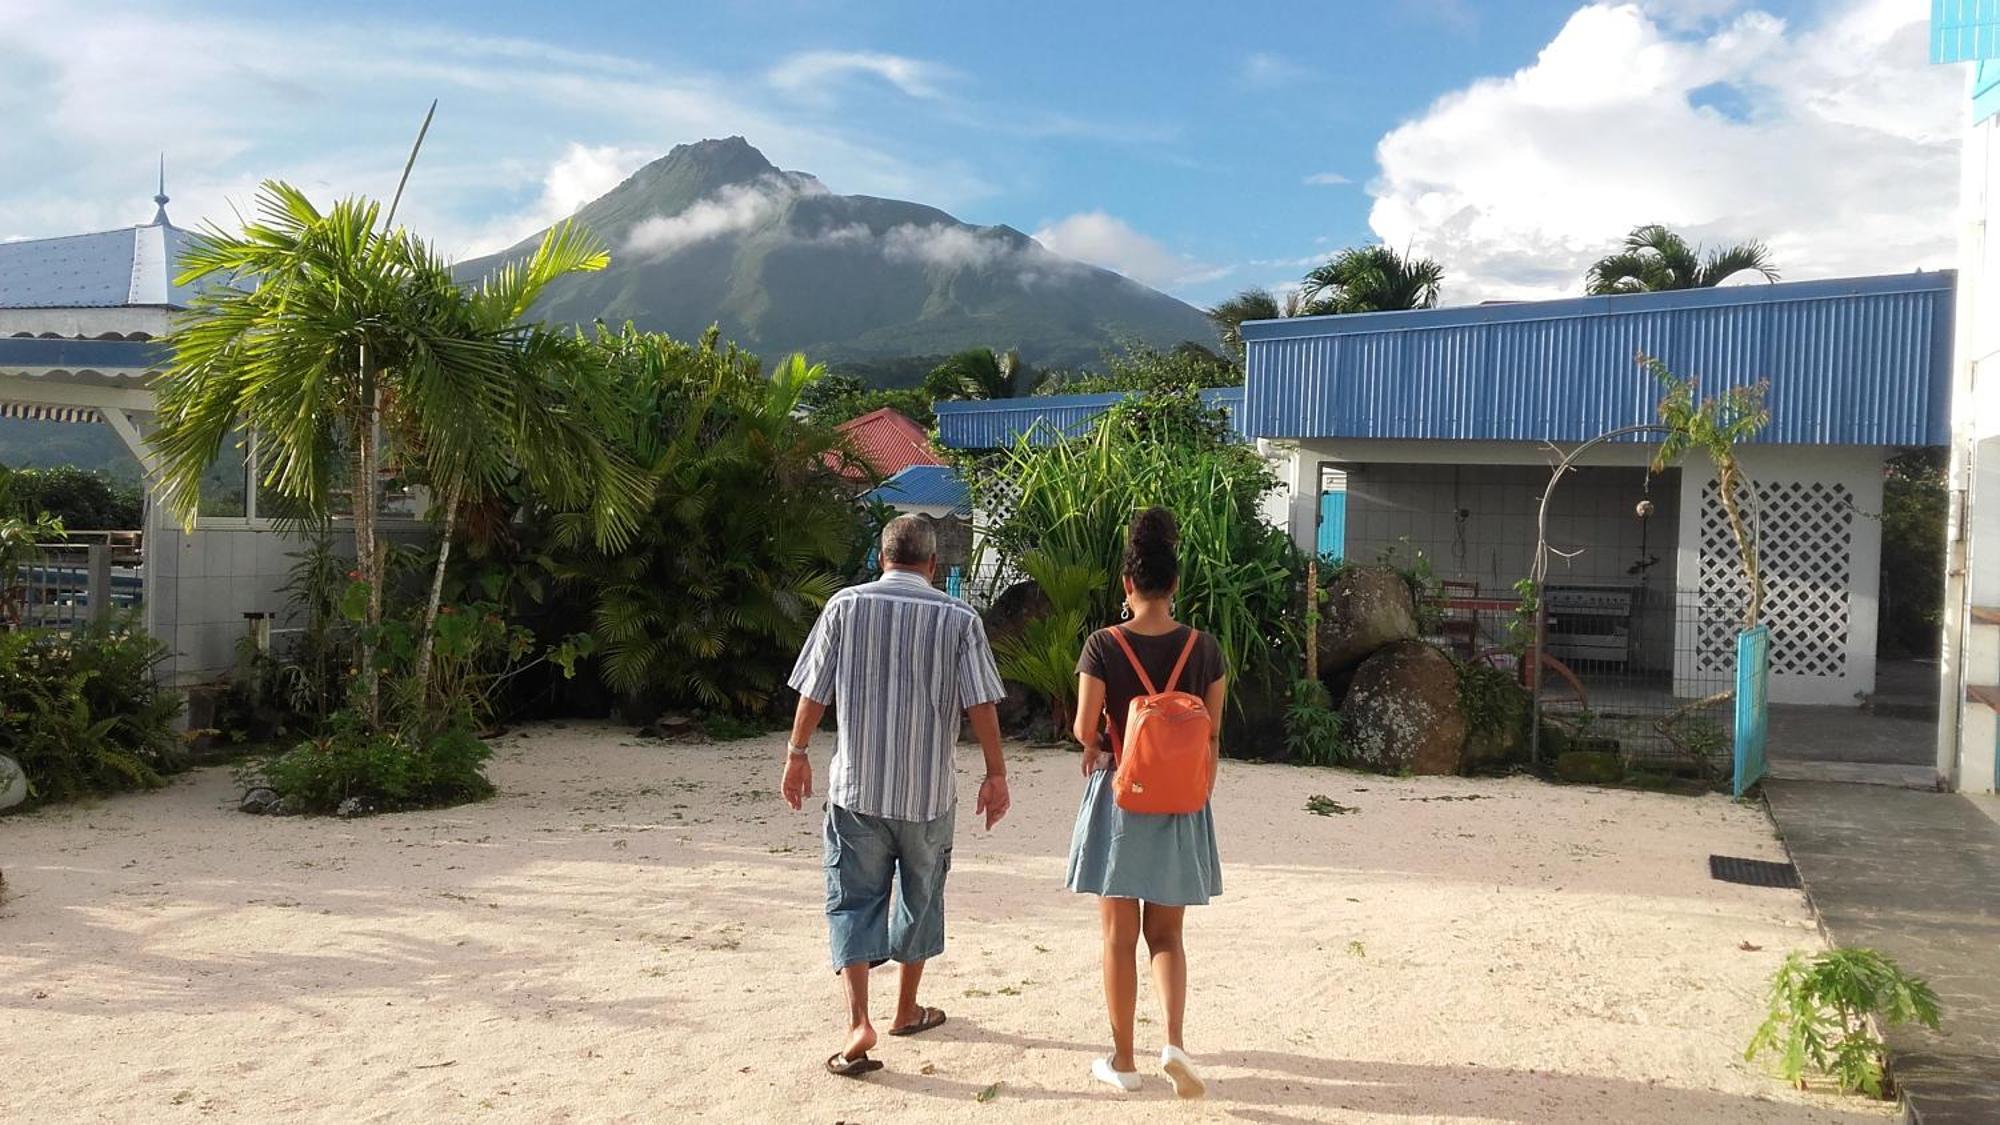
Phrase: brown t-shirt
[1104,659]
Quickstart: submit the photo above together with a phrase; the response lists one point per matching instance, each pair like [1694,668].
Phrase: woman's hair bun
[1152,551]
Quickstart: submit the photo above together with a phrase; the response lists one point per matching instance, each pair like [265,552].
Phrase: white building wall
[1819,530]
[1968,738]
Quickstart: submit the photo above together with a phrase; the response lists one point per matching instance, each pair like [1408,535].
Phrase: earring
[1125,611]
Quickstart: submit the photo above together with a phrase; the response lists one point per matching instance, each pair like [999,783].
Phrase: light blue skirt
[1169,860]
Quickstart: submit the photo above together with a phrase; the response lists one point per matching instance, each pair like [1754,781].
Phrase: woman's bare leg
[1120,919]
[1162,926]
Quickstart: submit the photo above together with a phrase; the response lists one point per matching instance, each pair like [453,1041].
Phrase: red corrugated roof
[889,442]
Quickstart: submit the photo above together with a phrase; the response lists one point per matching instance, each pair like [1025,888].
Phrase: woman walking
[1146,867]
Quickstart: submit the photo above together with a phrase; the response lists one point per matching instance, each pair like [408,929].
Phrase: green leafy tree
[1149,370]
[1656,259]
[1713,426]
[982,373]
[1370,279]
[332,331]
[746,535]
[1251,304]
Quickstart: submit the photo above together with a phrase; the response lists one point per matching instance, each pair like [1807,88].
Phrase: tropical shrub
[1042,656]
[1312,726]
[1820,1013]
[382,771]
[1071,503]
[1914,505]
[82,713]
[748,529]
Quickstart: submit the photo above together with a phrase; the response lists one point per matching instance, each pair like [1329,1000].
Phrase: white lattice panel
[1805,536]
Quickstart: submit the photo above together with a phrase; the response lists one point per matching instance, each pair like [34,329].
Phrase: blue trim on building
[132,355]
[1852,361]
[999,423]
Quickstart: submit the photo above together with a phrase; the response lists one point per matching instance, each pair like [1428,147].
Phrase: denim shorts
[864,854]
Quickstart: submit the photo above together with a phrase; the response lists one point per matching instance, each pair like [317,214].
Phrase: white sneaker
[1180,1068]
[1126,1080]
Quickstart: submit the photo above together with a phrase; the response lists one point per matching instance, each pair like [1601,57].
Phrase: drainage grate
[1752,872]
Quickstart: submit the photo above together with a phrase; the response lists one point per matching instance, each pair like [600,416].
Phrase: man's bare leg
[860,1032]
[908,1011]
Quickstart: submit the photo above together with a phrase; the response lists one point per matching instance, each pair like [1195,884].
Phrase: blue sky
[1198,147]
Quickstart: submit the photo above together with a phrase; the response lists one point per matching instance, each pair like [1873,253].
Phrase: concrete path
[1917,876]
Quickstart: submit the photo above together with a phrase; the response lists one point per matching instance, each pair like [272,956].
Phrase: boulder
[1402,713]
[260,801]
[13,783]
[1598,767]
[1366,609]
[1023,713]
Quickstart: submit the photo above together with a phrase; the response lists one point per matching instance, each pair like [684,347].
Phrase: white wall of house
[1968,735]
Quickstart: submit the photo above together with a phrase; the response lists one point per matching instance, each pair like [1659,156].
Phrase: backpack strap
[1118,634]
[1173,681]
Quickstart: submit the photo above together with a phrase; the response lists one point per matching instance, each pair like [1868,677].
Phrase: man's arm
[980,688]
[994,800]
[798,783]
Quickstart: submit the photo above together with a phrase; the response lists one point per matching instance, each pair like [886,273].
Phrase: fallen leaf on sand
[927,1068]
[988,1094]
[1748,948]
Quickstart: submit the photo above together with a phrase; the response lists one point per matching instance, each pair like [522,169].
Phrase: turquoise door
[1332,524]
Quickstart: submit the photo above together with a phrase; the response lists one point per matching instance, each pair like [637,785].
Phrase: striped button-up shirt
[901,661]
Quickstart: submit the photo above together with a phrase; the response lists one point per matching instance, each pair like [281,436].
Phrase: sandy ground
[632,932]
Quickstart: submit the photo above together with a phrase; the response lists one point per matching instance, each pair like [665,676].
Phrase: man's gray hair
[909,540]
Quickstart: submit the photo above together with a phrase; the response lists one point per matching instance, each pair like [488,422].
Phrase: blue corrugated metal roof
[1853,361]
[924,486]
[997,423]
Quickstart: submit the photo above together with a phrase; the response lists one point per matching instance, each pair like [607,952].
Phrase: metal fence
[1620,667]
[65,585]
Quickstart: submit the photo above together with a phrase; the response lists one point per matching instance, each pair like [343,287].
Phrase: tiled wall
[1494,543]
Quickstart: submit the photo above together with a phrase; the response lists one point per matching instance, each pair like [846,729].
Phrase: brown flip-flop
[840,1065]
[929,1018]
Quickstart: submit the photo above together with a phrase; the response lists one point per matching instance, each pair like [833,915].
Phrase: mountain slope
[714,233]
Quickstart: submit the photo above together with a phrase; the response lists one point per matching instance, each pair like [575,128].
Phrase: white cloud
[735,208]
[1266,70]
[1106,240]
[811,72]
[331,103]
[1839,149]
[944,246]
[1327,179]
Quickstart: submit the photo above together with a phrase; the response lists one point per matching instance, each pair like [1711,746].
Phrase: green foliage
[1370,279]
[1493,700]
[84,500]
[747,531]
[1251,304]
[1820,1010]
[1042,656]
[838,397]
[19,543]
[1715,426]
[982,373]
[83,714]
[1914,506]
[1073,501]
[1656,259]
[1319,804]
[1154,371]
[1521,627]
[385,770]
[1312,726]
[1426,592]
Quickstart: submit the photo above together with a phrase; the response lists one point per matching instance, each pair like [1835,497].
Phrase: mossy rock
[1591,767]
[1403,713]
[1367,609]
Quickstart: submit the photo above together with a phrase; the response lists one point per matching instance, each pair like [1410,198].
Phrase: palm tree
[1656,259]
[982,373]
[1228,317]
[1371,279]
[338,334]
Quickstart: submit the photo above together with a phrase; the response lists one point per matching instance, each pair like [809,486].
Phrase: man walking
[902,660]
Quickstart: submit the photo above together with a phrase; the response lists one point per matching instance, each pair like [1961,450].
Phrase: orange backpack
[1164,765]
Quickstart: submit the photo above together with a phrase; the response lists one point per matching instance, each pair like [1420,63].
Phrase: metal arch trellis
[1539,570]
